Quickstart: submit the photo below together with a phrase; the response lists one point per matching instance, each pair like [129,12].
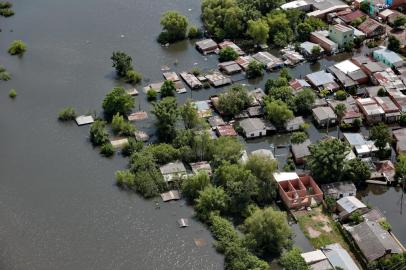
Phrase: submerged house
[270,61]
[300,151]
[372,111]
[294,124]
[298,191]
[324,116]
[348,205]
[206,46]
[322,80]
[253,127]
[173,171]
[388,57]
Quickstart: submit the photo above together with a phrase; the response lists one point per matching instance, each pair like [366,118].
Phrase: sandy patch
[313,233]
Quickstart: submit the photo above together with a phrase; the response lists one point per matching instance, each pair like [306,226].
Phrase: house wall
[341,38]
[299,193]
[326,46]
[256,133]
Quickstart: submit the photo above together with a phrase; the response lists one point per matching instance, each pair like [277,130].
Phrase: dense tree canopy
[304,101]
[226,149]
[98,133]
[122,63]
[118,101]
[258,30]
[292,260]
[267,231]
[357,170]
[167,113]
[189,115]
[194,184]
[327,160]
[227,54]
[278,112]
[174,27]
[234,100]
[211,200]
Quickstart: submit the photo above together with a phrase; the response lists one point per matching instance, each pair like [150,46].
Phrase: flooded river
[59,208]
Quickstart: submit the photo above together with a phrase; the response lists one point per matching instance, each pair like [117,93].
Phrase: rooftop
[320,78]
[350,204]
[389,55]
[324,113]
[285,176]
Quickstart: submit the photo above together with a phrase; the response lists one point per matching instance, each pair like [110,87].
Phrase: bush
[164,37]
[5,4]
[254,70]
[151,94]
[385,225]
[292,260]
[168,89]
[298,137]
[163,153]
[341,95]
[107,149]
[12,93]
[98,133]
[6,12]
[206,85]
[118,101]
[227,54]
[5,76]
[67,114]
[194,32]
[17,47]
[125,178]
[133,76]
[149,183]
[196,71]
[194,184]
[121,127]
[402,120]
[131,147]
[381,92]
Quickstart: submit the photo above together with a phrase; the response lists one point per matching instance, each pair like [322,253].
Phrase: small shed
[338,190]
[217,79]
[141,136]
[84,120]
[206,46]
[300,151]
[226,130]
[191,80]
[294,124]
[253,127]
[171,76]
[170,195]
[230,67]
[348,205]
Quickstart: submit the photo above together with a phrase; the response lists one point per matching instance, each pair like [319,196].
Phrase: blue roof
[389,55]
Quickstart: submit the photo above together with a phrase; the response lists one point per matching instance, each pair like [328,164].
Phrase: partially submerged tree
[118,101]
[98,133]
[167,113]
[168,89]
[255,69]
[174,27]
[17,47]
[381,136]
[189,115]
[234,100]
[67,114]
[278,112]
[122,63]
[194,184]
[211,200]
[227,54]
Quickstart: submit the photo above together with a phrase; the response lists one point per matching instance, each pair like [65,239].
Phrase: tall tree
[122,63]
[226,149]
[234,100]
[118,101]
[166,113]
[258,30]
[267,231]
[168,89]
[174,25]
[357,171]
[98,133]
[292,260]
[327,160]
[382,137]
[304,101]
[194,184]
[189,115]
[211,200]
[278,112]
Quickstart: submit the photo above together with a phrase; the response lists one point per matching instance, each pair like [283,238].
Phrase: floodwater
[59,207]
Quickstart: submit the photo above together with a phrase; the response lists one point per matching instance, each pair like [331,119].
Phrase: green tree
[393,43]
[107,149]
[267,231]
[258,30]
[189,115]
[298,137]
[234,100]
[304,101]
[284,94]
[356,217]
[316,50]
[401,168]
[278,112]
[133,76]
[167,113]
[341,95]
[226,149]
[125,178]
[122,63]
[121,127]
[254,70]
[131,147]
[151,95]
[238,183]
[315,23]
[163,153]
[262,168]
[285,74]
[149,183]
[283,38]
[279,82]
[279,28]
[364,6]
[357,170]
[194,184]
[303,32]
[12,94]
[67,114]
[168,89]
[211,200]
[118,101]
[194,32]
[227,54]
[327,160]
[174,25]
[340,110]
[381,136]
[292,260]
[399,21]
[98,133]
[17,47]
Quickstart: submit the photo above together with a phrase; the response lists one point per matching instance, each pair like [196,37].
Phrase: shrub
[196,71]
[194,32]
[17,47]
[12,93]
[67,114]
[168,89]
[5,76]
[107,149]
[227,54]
[298,137]
[356,217]
[206,85]
[381,92]
[98,133]
[6,12]
[5,4]
[120,126]
[254,70]
[125,178]
[133,76]
[151,94]
[385,225]
[131,147]
[341,95]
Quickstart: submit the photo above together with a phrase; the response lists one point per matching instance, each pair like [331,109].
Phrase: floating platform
[84,120]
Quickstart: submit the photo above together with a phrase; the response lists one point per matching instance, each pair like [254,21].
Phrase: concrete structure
[294,124]
[173,171]
[324,116]
[300,151]
[253,127]
[373,241]
[338,190]
[316,8]
[340,34]
[217,79]
[392,112]
[373,113]
[298,192]
[321,38]
[388,57]
[348,205]
[206,46]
